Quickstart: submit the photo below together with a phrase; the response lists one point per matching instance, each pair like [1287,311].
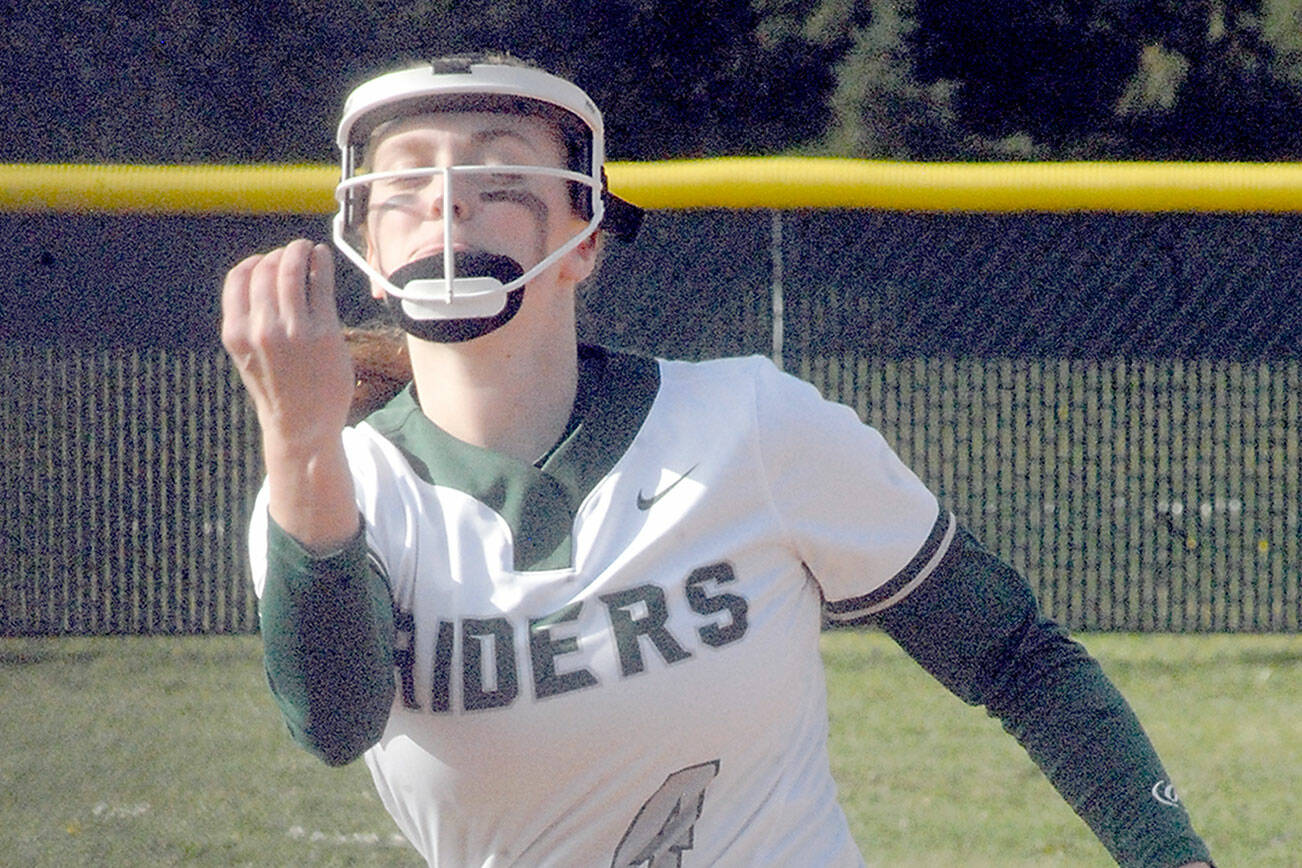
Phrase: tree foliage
[1163,79]
[192,80]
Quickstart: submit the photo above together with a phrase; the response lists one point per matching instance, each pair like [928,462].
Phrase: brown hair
[381,367]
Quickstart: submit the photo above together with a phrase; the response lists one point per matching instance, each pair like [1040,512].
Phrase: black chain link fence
[1110,402]
[126,477]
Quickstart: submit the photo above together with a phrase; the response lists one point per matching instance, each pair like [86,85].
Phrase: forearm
[327,628]
[1076,726]
[975,626]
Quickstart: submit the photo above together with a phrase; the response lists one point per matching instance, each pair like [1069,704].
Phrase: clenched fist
[280,326]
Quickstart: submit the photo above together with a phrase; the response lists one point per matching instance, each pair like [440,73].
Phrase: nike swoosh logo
[645,503]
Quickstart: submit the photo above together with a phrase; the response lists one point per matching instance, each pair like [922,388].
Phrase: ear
[579,264]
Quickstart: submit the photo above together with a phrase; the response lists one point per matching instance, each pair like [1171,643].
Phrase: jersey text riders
[612,658]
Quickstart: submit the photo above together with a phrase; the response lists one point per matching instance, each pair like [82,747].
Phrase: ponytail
[381,367]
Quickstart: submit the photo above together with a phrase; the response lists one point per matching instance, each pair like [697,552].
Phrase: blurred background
[189,81]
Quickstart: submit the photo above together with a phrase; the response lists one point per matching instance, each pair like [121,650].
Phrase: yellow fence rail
[725,182]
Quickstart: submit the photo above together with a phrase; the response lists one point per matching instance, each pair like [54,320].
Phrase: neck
[501,391]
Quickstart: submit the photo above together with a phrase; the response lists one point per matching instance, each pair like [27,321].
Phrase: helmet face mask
[458,287]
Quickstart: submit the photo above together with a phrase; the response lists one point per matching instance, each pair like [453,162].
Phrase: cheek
[560,223]
[384,232]
[517,230]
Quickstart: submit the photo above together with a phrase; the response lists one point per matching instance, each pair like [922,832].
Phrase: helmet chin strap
[421,315]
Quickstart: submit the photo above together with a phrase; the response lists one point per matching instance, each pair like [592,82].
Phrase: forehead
[470,133]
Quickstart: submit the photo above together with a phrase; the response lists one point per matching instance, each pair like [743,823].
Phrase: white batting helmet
[468,83]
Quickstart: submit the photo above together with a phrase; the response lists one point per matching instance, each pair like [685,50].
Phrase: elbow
[341,732]
[336,719]
[340,752]
[335,752]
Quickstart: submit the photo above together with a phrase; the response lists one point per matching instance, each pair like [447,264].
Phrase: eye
[403,185]
[407,182]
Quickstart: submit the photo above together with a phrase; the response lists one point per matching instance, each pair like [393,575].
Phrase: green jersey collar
[538,502]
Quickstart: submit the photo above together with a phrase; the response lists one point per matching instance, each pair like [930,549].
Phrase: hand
[282,331]
[280,327]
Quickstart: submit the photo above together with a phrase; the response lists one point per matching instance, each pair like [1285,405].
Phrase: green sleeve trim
[974,624]
[327,632]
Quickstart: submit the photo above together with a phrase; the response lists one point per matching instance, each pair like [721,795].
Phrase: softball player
[566,601]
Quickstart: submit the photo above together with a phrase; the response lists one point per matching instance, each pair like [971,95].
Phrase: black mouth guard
[466,263]
[474,263]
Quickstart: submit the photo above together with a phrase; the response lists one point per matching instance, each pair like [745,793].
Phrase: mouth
[471,265]
[437,250]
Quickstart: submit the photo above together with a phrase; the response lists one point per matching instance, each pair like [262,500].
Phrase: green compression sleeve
[974,625]
[327,632]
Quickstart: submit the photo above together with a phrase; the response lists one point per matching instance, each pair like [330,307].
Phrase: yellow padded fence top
[725,182]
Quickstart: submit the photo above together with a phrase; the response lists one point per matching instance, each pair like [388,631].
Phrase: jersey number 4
[663,828]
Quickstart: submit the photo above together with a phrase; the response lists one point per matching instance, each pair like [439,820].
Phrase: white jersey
[613,659]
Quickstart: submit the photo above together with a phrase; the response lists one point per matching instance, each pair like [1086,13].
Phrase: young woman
[566,601]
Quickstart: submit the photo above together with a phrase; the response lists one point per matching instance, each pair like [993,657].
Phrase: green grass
[927,780]
[134,751]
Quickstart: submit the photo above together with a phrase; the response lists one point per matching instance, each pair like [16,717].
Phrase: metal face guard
[456,292]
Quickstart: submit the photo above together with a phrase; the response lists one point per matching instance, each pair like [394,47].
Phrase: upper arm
[969,622]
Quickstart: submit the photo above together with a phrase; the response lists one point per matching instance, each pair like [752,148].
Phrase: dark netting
[1060,286]
[1111,402]
[128,474]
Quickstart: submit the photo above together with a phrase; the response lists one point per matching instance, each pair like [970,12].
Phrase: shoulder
[754,391]
[725,369]
[777,398]
[709,395]
[651,386]
[397,440]
[377,446]
[732,377]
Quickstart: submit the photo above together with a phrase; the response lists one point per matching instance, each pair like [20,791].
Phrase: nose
[435,194]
